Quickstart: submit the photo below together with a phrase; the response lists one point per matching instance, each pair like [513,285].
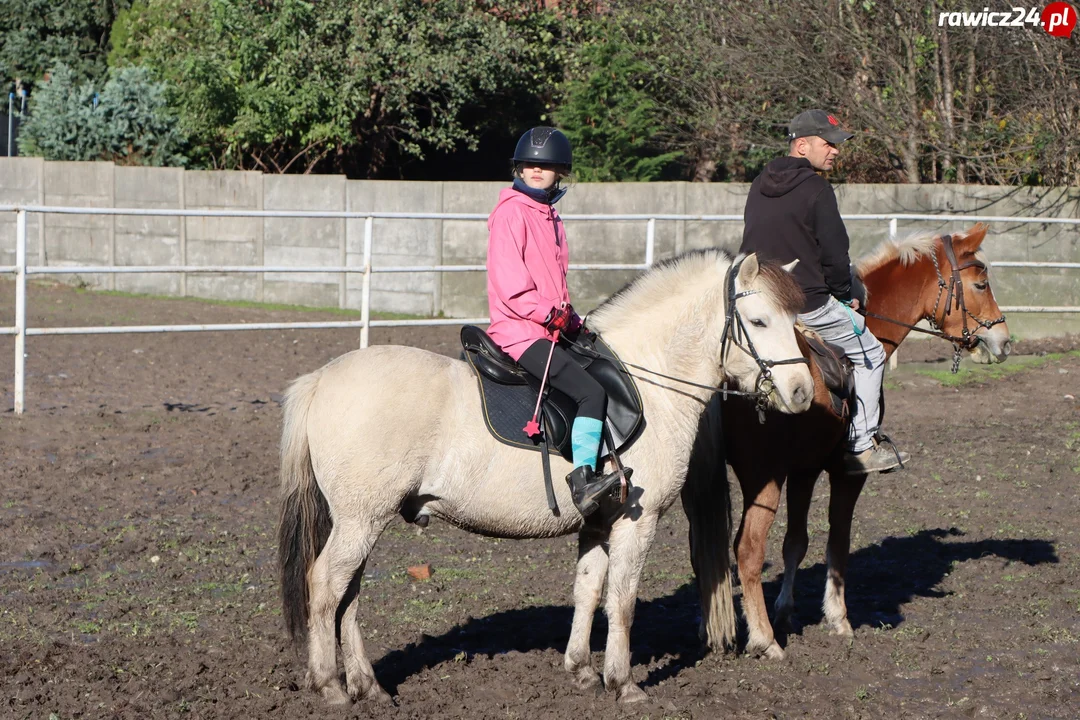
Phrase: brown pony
[942,280]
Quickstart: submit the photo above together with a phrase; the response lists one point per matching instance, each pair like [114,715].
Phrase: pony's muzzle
[794,390]
[994,346]
[802,395]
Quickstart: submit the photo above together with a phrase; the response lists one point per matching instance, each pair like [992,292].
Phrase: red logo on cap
[833,121]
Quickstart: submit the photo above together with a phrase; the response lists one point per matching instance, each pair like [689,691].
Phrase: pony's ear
[971,240]
[791,265]
[748,271]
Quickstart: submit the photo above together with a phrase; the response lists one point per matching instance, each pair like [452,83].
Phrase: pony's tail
[305,520]
[707,503]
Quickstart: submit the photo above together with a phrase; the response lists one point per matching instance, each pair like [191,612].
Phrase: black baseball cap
[820,123]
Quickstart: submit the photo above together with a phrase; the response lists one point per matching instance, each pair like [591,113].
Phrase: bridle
[953,290]
[734,333]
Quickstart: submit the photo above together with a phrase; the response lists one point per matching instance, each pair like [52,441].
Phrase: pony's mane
[673,267]
[784,291]
[907,250]
[665,277]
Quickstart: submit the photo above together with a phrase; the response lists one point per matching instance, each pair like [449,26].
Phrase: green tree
[38,34]
[288,85]
[127,122]
[610,116]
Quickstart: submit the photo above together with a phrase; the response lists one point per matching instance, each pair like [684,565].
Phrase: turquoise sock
[585,438]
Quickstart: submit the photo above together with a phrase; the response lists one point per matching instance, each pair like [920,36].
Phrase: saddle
[508,395]
[837,371]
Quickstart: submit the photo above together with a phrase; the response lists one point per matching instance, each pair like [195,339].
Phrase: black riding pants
[567,377]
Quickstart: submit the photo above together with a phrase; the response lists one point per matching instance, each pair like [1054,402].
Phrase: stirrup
[587,488]
[880,439]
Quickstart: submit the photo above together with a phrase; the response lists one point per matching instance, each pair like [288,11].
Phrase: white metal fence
[22,271]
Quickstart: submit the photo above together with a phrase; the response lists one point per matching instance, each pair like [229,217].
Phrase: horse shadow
[663,627]
[884,577]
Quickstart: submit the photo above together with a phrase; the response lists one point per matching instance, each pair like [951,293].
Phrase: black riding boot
[587,489]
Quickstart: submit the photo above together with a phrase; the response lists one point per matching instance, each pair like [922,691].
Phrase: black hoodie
[791,213]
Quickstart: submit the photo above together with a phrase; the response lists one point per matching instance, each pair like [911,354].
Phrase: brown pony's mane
[907,251]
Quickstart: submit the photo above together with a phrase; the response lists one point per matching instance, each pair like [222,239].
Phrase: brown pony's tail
[305,520]
[707,503]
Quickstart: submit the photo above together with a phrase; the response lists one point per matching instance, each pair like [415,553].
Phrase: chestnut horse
[943,280]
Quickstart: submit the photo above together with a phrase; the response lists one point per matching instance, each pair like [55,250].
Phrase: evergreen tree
[128,121]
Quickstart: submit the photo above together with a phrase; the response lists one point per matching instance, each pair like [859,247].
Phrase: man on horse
[791,214]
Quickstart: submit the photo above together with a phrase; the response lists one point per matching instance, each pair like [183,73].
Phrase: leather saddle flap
[836,369]
[508,393]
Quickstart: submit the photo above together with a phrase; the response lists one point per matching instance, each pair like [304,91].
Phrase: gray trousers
[834,324]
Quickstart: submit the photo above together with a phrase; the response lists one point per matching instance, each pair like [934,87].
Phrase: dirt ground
[138,501]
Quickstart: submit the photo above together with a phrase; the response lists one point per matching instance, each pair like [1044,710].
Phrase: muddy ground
[137,563]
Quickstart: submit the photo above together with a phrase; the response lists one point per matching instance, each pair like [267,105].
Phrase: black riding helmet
[544,145]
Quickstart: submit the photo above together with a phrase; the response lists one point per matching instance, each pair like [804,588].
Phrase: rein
[954,294]
[733,327]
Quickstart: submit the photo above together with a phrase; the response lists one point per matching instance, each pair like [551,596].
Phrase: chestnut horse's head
[965,306]
[943,279]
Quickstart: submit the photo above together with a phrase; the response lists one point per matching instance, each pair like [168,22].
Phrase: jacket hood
[784,174]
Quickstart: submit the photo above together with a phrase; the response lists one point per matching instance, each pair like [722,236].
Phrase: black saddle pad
[508,394]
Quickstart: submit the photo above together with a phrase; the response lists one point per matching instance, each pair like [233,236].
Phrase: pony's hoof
[334,695]
[373,692]
[843,629]
[775,653]
[586,679]
[630,694]
[772,652]
[784,620]
[377,694]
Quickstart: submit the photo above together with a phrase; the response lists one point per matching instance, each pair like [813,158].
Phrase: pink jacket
[527,262]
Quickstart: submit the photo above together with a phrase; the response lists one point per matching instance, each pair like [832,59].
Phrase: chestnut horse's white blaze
[387,427]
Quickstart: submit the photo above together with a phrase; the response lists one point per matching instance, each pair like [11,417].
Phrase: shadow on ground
[882,579]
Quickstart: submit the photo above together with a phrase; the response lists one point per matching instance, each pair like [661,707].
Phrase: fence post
[365,295]
[892,228]
[20,311]
[650,241]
